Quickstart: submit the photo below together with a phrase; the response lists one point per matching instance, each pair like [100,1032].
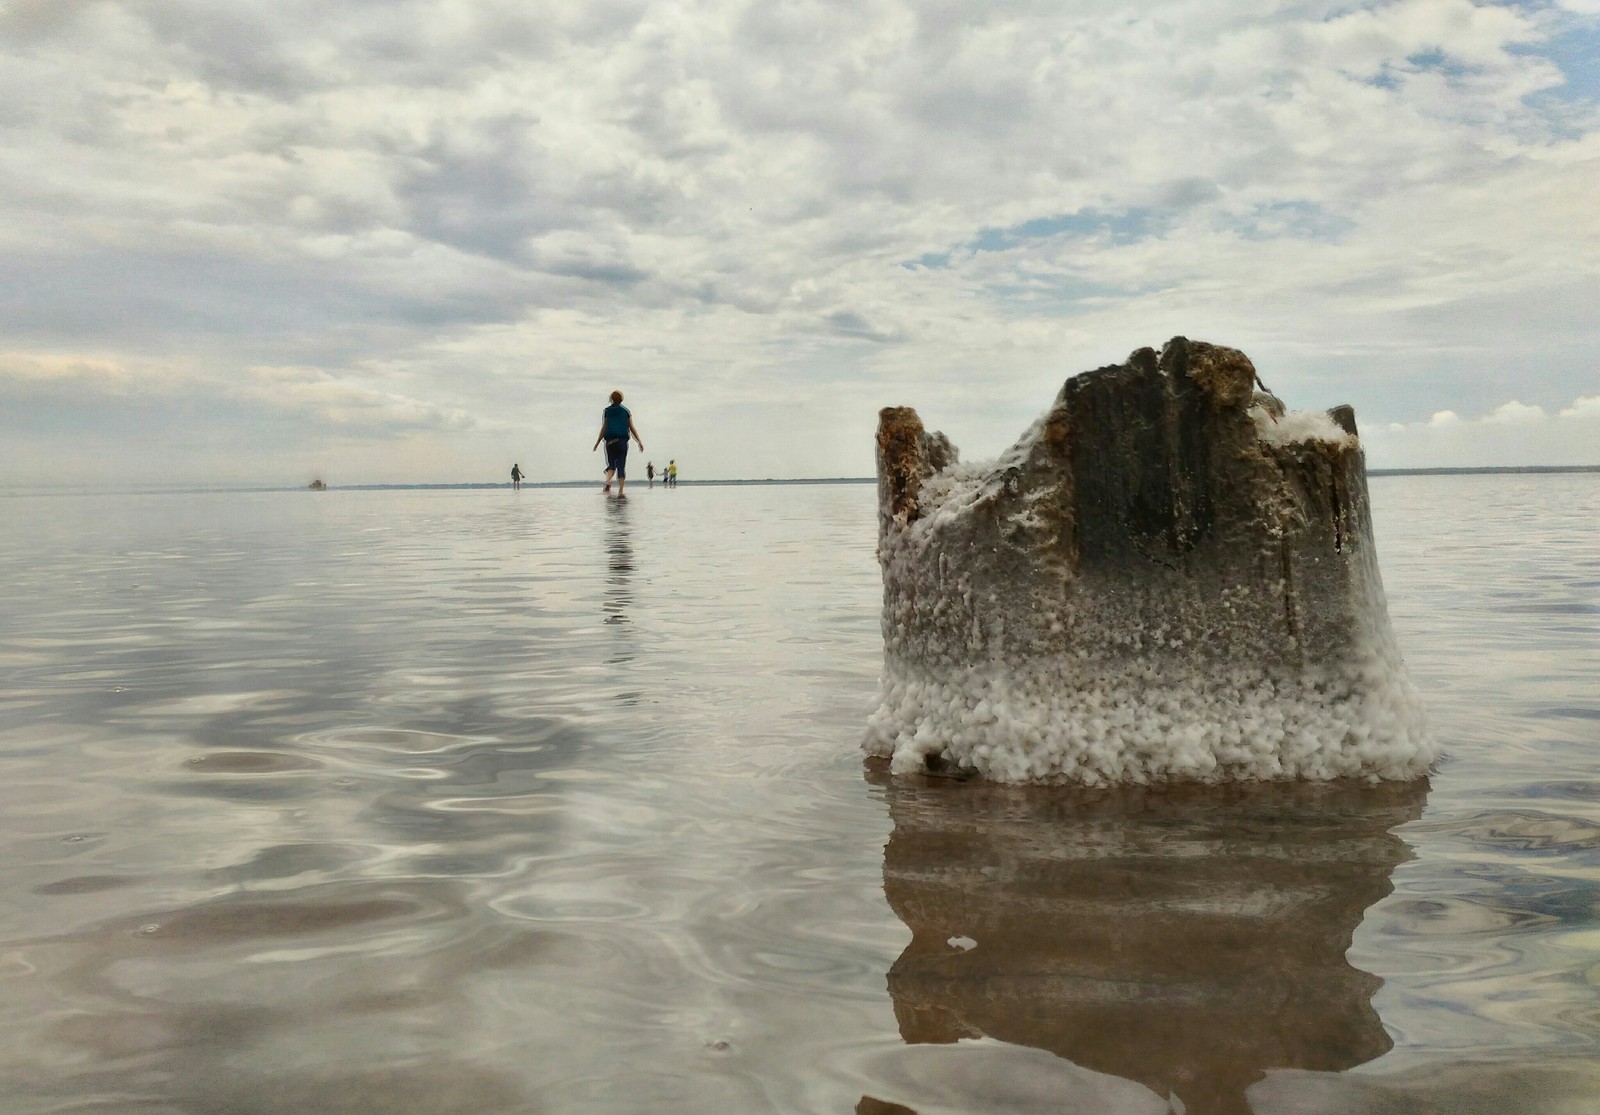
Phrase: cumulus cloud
[314,396]
[307,397]
[459,213]
[1513,433]
[1515,413]
[25,374]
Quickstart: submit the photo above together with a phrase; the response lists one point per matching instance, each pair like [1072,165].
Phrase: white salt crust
[1300,426]
[1037,722]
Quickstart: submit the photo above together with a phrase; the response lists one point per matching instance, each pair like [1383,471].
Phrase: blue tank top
[616,421]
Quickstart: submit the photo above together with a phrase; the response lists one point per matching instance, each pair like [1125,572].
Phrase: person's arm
[601,437]
[635,432]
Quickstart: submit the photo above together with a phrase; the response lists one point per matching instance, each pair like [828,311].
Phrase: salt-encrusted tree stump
[1166,578]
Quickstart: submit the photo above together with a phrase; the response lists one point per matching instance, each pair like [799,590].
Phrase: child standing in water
[616,423]
[650,472]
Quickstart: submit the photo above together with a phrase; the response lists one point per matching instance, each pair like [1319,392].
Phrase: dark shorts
[617,456]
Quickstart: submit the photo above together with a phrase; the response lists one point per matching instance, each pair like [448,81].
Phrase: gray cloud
[151,300]
[490,207]
[848,323]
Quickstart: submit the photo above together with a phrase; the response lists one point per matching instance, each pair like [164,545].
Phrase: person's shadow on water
[1189,938]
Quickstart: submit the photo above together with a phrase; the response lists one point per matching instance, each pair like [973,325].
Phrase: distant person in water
[616,424]
[516,478]
[672,474]
[650,472]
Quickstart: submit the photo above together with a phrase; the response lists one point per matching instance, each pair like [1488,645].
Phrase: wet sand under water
[538,802]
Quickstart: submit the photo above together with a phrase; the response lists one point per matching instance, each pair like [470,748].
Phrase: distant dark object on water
[317,485]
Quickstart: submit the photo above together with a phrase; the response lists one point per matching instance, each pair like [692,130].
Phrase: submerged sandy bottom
[474,801]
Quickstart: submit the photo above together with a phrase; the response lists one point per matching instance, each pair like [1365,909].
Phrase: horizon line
[84,488]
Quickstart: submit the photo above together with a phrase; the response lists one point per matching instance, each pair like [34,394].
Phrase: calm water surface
[422,802]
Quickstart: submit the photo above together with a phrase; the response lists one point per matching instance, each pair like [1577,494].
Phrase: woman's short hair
[616,396]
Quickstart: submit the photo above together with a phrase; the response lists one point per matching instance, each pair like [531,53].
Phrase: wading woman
[615,426]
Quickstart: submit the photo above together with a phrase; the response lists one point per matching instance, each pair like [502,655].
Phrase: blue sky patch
[1439,62]
[1577,51]
[1128,226]
[931,261]
[1294,220]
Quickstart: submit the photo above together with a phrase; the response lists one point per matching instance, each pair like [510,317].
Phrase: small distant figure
[616,424]
[650,472]
[318,486]
[516,477]
[672,473]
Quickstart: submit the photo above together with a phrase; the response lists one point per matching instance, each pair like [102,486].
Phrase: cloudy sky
[415,240]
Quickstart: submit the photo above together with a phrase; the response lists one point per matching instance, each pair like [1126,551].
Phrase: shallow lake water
[482,801]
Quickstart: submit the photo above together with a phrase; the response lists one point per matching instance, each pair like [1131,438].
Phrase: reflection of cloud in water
[992,1076]
[331,974]
[1188,938]
[1554,1087]
[455,803]
[296,991]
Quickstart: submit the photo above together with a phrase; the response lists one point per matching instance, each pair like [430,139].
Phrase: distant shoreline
[87,489]
[1488,470]
[596,484]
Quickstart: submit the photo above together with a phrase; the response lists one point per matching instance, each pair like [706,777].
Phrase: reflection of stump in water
[1188,937]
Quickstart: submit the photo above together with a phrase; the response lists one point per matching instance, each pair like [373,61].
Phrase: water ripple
[504,802]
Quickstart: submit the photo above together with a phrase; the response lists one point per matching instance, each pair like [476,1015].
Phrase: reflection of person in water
[516,477]
[619,568]
[1186,937]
